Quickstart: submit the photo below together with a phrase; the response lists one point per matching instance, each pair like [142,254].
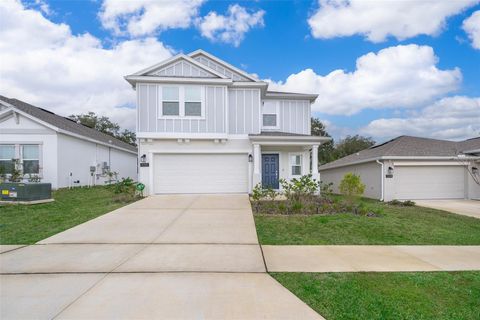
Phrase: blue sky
[438,72]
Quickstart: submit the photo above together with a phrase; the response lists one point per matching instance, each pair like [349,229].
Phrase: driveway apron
[164,257]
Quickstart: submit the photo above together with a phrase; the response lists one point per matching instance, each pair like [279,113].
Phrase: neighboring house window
[7,154]
[170,101]
[182,101]
[269,120]
[31,159]
[296,164]
[193,101]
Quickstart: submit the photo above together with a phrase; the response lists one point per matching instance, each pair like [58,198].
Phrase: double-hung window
[270,112]
[193,101]
[296,164]
[31,159]
[181,101]
[7,154]
[170,101]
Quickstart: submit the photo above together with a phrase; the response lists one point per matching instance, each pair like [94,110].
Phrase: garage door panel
[429,182]
[201,173]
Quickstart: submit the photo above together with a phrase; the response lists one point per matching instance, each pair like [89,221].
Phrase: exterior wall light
[143,158]
[390,171]
[250,158]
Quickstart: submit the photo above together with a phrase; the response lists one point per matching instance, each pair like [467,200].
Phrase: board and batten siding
[294,115]
[182,69]
[149,108]
[244,111]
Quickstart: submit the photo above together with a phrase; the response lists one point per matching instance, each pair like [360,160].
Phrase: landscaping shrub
[125,190]
[352,187]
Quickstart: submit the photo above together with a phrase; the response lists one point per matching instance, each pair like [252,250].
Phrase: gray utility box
[18,191]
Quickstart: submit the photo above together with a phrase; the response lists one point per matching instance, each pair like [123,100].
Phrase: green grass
[397,225]
[27,224]
[416,295]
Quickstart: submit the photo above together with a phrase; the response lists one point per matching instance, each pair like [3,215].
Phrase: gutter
[399,158]
[381,179]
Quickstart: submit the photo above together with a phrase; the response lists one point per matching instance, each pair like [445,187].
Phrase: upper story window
[270,113]
[182,101]
[269,120]
[170,101]
[193,101]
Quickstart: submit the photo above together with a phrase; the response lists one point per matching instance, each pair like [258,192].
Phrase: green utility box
[17,191]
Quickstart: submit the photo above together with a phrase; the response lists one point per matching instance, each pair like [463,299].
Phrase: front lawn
[396,225]
[415,295]
[27,224]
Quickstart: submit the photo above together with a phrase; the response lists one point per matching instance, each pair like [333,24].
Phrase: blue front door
[270,171]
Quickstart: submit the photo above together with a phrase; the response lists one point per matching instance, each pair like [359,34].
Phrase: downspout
[381,179]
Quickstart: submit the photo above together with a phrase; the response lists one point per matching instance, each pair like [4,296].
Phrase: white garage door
[200,173]
[429,182]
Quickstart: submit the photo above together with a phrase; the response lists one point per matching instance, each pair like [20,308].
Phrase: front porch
[278,155]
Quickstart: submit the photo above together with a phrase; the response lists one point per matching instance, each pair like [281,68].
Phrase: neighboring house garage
[413,168]
[430,182]
[201,173]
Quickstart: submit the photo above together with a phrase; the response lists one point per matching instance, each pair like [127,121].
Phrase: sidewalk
[371,258]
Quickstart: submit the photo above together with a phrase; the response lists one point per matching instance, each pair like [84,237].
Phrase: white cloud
[45,64]
[395,77]
[145,17]
[471,26]
[377,20]
[230,28]
[453,118]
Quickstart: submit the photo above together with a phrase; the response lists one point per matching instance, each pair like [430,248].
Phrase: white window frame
[290,164]
[19,155]
[277,114]
[15,154]
[181,104]
[22,159]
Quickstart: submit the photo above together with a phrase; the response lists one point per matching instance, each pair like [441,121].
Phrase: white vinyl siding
[212,120]
[200,173]
[429,182]
[182,69]
[244,111]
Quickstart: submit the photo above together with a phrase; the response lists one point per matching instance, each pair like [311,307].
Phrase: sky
[380,68]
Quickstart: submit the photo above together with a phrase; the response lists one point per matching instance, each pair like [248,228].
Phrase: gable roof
[224,64]
[66,125]
[178,57]
[407,146]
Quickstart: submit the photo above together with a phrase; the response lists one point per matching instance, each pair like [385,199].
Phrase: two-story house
[205,126]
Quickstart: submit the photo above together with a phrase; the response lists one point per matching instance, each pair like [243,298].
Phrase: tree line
[332,151]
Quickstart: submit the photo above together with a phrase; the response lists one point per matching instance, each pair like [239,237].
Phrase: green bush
[351,185]
[125,190]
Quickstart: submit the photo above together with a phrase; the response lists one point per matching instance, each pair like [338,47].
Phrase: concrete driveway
[465,207]
[164,257]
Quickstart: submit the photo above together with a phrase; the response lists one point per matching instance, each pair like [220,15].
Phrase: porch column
[257,153]
[315,174]
[314,159]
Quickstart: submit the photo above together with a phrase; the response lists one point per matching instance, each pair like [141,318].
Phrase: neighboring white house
[205,126]
[59,150]
[413,168]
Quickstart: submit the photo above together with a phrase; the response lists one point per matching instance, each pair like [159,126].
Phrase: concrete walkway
[165,257]
[469,208]
[371,258]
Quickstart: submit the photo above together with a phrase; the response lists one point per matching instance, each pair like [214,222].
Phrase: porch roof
[286,138]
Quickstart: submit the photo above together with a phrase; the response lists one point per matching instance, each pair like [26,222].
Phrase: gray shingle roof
[407,146]
[278,134]
[67,124]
